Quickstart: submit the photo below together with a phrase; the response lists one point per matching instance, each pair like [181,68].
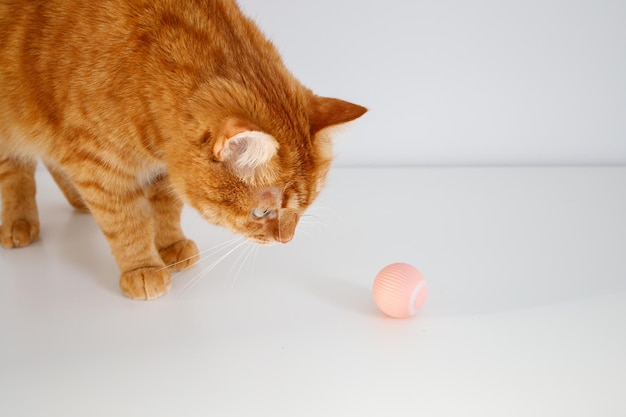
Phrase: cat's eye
[259,213]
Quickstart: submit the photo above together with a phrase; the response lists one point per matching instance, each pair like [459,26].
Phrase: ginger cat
[136,106]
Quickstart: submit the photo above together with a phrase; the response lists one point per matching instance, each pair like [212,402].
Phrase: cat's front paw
[18,233]
[181,255]
[146,283]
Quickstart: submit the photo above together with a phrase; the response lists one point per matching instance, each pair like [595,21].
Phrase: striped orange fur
[139,106]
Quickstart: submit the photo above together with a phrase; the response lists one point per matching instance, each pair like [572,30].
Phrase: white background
[463,82]
[526,313]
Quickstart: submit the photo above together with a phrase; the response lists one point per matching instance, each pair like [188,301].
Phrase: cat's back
[97,64]
[46,35]
[55,54]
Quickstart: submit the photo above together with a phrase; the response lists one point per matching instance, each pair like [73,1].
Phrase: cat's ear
[326,112]
[244,149]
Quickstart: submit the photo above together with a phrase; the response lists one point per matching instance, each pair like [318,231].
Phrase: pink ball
[400,290]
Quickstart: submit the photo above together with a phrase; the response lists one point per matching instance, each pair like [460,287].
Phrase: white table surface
[526,314]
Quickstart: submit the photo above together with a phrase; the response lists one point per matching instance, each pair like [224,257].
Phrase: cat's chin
[261,242]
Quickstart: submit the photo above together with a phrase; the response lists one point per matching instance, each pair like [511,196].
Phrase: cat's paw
[146,283]
[181,255]
[18,233]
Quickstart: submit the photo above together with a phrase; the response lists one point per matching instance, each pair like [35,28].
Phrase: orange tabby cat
[137,106]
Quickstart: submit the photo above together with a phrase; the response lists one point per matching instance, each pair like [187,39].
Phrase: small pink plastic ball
[400,290]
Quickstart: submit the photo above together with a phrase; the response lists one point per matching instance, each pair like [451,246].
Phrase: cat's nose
[283,238]
[285,227]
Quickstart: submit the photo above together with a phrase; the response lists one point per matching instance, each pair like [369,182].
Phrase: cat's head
[256,171]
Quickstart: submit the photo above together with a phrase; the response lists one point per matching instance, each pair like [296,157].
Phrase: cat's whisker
[310,216]
[309,227]
[194,281]
[241,255]
[314,215]
[206,252]
[256,254]
[245,255]
[305,233]
[324,211]
[222,245]
[221,248]
[311,221]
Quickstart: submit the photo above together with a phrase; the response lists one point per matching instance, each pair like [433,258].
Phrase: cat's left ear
[327,112]
[244,149]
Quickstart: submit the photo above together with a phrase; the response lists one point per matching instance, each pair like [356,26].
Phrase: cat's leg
[20,219]
[176,250]
[71,193]
[125,217]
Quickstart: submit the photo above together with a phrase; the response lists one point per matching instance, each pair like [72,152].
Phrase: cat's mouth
[261,241]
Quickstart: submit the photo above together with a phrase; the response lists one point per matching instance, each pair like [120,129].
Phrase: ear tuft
[247,151]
